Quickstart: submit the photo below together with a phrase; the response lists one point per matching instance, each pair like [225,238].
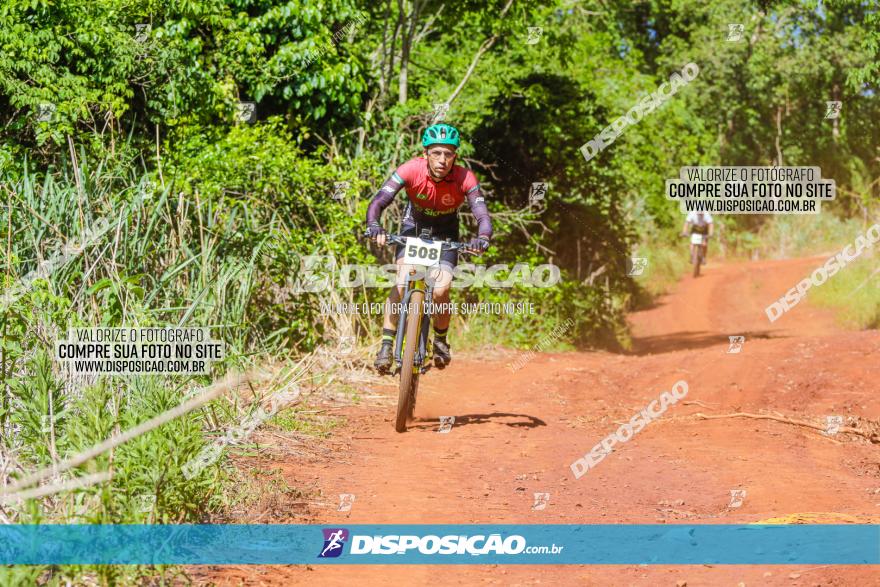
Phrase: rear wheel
[409,378]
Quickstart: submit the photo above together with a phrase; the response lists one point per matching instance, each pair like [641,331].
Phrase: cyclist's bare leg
[390,319]
[441,278]
[395,295]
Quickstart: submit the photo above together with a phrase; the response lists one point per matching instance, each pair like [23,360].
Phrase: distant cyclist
[700,223]
[436,188]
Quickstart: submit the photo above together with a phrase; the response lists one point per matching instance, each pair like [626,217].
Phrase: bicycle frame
[414,284]
[702,248]
[415,349]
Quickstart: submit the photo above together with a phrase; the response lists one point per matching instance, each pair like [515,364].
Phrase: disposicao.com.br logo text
[476,545]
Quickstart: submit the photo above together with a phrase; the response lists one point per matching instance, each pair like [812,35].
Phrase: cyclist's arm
[477,204]
[481,213]
[383,198]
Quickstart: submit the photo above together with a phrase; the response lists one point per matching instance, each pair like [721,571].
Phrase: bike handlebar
[447,245]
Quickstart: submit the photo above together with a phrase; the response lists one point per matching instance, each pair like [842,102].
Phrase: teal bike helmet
[441,134]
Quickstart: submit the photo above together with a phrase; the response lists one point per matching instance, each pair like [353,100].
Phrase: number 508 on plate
[421,252]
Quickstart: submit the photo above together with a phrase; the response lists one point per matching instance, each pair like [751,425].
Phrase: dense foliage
[132,109]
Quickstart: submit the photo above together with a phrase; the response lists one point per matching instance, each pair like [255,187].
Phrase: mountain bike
[699,243]
[412,356]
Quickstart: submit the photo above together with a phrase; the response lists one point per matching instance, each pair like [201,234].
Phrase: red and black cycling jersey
[433,203]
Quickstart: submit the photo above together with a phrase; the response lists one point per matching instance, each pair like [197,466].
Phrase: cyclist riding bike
[700,223]
[436,188]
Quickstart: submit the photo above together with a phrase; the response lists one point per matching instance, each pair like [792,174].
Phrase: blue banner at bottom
[279,544]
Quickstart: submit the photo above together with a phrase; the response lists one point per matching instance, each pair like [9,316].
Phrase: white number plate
[696,239]
[419,252]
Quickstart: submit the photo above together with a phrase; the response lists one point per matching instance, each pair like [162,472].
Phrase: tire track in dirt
[516,434]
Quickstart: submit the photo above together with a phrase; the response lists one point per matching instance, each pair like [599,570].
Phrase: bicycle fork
[419,361]
[423,355]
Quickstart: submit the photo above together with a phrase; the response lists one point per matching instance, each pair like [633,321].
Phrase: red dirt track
[516,434]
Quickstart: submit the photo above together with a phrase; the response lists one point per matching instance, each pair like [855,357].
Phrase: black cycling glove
[374,230]
[479,245]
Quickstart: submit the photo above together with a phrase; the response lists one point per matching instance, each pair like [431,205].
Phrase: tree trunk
[779,160]
[402,78]
[406,42]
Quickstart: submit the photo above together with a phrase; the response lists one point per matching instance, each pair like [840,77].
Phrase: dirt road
[516,434]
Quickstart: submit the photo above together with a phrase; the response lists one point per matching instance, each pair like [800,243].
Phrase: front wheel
[409,378]
[695,259]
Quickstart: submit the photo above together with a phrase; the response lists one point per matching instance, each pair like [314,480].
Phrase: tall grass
[853,292]
[169,260]
[787,236]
